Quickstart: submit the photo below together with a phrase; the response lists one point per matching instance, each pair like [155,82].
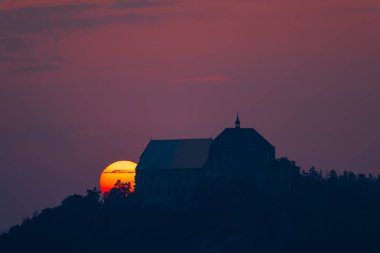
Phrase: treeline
[293,211]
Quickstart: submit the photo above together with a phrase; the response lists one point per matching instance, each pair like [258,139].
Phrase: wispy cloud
[201,79]
[141,4]
[119,171]
[5,59]
[18,26]
[14,43]
[70,16]
[55,58]
[367,9]
[37,68]
[37,19]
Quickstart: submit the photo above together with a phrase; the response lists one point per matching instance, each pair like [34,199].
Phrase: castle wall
[170,188]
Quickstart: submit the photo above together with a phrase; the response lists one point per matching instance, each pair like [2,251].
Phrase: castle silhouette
[169,170]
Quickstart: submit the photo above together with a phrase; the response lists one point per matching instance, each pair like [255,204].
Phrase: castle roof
[175,154]
[241,137]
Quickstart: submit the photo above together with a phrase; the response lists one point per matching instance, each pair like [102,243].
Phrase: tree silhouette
[117,196]
[335,213]
[93,194]
[123,187]
[332,175]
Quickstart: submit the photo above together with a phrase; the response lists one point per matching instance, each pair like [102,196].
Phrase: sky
[86,83]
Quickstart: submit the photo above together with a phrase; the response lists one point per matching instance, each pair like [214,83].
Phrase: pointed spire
[237,122]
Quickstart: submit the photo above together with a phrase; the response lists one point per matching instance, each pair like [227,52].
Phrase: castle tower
[237,121]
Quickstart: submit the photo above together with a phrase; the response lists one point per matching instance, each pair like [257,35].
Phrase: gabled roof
[175,154]
[241,137]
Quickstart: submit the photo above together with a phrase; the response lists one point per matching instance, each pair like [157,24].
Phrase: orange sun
[121,170]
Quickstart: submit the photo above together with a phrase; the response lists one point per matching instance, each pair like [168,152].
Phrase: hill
[336,213]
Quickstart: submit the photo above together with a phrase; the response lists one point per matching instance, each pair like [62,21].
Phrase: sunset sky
[87,83]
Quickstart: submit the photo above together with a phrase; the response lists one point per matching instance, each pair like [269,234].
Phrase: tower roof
[241,137]
[175,154]
[237,121]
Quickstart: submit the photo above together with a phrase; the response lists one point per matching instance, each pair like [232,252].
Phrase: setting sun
[121,170]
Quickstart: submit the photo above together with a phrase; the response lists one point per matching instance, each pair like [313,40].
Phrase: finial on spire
[237,121]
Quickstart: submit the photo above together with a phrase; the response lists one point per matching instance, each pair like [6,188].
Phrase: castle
[168,170]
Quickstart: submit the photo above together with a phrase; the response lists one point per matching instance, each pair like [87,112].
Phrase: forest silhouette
[296,211]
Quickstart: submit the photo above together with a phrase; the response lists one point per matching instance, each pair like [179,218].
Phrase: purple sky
[86,83]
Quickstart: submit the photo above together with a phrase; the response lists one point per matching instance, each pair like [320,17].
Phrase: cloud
[69,16]
[367,10]
[16,25]
[37,19]
[5,59]
[19,27]
[141,4]
[31,64]
[37,68]
[14,43]
[55,58]
[202,79]
[119,171]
